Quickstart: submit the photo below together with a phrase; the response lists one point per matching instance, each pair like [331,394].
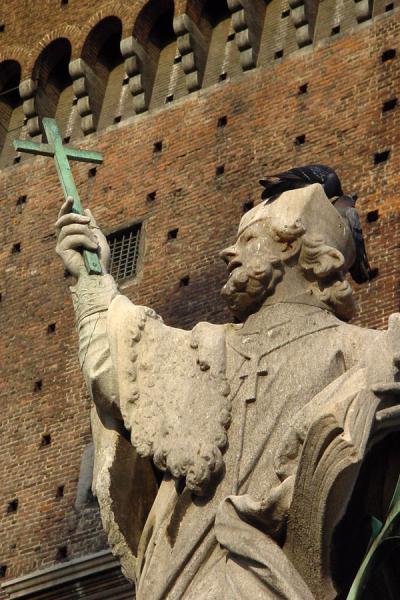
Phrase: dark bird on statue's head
[300,177]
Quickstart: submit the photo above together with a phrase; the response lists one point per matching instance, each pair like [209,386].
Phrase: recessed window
[124,245]
[2,27]
[389,105]
[62,553]
[177,59]
[60,491]
[51,328]
[92,172]
[16,248]
[388,55]
[381,157]
[173,234]
[151,196]
[184,282]
[248,206]
[300,140]
[22,200]
[12,506]
[64,2]
[3,570]
[285,13]
[303,89]
[335,30]
[230,37]
[17,159]
[220,170]
[37,386]
[389,7]
[278,54]
[117,119]
[372,216]
[67,139]
[46,440]
[223,77]
[169,98]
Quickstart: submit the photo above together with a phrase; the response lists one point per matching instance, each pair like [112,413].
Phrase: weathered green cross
[61,154]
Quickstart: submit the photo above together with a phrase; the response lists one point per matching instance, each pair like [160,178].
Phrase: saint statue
[228,458]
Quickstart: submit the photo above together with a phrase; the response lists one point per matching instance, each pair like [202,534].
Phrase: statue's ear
[318,257]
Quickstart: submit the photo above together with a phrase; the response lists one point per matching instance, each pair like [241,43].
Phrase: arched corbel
[28,92]
[139,72]
[84,82]
[247,23]
[192,47]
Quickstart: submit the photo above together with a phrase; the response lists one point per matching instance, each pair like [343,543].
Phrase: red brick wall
[340,115]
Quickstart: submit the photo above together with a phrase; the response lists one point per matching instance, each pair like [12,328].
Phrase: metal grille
[124,246]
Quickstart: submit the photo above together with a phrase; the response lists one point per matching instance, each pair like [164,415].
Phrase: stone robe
[305,391]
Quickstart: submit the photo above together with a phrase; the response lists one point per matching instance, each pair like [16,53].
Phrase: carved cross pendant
[61,154]
[250,382]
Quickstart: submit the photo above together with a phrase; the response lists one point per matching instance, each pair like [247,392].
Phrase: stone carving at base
[226,456]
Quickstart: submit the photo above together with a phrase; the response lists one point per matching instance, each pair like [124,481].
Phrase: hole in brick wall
[300,140]
[37,386]
[62,553]
[278,54]
[230,37]
[21,201]
[389,105]
[46,440]
[285,13]
[67,139]
[12,506]
[92,172]
[51,328]
[151,196]
[303,89]
[2,27]
[60,491]
[177,59]
[381,157]
[222,121]
[388,54]
[184,282]
[64,2]
[169,98]
[16,249]
[389,7]
[220,170]
[335,30]
[223,76]
[3,570]
[16,160]
[157,147]
[172,234]
[1,296]
[117,119]
[372,216]
[248,206]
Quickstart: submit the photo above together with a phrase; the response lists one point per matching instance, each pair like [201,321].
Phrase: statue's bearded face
[255,267]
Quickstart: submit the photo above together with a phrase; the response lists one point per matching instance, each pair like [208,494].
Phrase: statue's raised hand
[78,232]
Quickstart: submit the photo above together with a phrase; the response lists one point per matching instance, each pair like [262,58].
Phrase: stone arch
[101,53]
[54,92]
[11,113]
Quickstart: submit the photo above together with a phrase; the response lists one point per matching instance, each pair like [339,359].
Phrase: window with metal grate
[125,246]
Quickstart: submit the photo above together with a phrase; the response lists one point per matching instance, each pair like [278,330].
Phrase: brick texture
[41,389]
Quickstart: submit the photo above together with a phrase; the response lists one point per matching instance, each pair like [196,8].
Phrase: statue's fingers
[70,219]
[76,242]
[89,214]
[66,207]
[76,229]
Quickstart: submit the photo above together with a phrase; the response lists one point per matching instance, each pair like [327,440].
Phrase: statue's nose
[228,254]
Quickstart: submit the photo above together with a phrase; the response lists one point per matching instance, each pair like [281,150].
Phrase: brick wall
[340,114]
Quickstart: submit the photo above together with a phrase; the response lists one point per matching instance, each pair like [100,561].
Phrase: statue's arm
[92,296]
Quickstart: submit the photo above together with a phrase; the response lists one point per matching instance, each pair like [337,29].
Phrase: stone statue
[226,456]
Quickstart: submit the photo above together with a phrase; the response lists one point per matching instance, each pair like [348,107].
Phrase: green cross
[61,154]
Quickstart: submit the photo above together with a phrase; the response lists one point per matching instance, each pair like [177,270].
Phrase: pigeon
[300,177]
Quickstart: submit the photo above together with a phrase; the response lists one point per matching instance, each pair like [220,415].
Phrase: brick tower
[190,102]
